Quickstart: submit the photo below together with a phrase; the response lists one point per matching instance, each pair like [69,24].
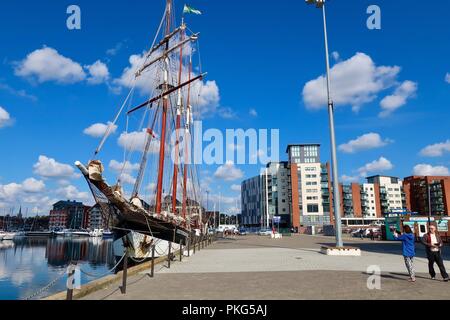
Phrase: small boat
[108,234]
[38,234]
[96,233]
[81,233]
[9,235]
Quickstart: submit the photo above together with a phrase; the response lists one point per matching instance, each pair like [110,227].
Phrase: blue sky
[389,86]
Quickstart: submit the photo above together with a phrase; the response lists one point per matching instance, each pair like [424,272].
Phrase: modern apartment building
[375,198]
[252,198]
[278,182]
[310,186]
[417,190]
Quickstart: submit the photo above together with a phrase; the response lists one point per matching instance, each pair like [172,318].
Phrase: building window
[313,208]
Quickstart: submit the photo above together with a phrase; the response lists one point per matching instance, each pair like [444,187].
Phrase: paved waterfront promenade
[253,267]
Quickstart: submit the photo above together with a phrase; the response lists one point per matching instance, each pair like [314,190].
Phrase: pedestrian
[433,244]
[361,233]
[409,250]
[372,235]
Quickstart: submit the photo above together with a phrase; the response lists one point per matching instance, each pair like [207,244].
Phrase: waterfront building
[371,201]
[417,190]
[310,186]
[252,199]
[67,214]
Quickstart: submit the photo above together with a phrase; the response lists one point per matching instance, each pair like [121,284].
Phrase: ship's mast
[186,145]
[178,125]
[162,149]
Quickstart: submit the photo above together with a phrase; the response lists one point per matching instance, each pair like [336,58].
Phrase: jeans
[435,257]
[409,262]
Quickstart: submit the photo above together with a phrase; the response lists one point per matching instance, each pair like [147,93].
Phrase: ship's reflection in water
[29,264]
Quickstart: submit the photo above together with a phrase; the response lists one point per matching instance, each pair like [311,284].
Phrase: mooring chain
[47,287]
[106,273]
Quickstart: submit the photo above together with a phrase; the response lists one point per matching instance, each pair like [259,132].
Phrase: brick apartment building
[421,192]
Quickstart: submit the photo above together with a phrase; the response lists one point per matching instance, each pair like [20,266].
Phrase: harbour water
[29,264]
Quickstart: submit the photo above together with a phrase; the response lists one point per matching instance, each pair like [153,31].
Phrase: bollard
[125,273]
[170,253]
[189,247]
[194,243]
[181,251]
[69,295]
[153,262]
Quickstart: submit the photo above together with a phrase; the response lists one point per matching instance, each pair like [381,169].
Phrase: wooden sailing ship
[172,213]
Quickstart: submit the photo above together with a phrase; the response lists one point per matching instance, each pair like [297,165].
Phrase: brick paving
[255,267]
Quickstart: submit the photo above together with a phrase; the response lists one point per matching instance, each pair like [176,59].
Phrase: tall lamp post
[336,197]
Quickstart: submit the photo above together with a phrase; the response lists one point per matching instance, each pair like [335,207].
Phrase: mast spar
[165,87]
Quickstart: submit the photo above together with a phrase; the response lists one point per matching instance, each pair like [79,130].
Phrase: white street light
[336,196]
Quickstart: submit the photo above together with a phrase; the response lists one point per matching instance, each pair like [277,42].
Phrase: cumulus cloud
[376,166]
[228,172]
[336,56]
[98,130]
[252,112]
[14,192]
[429,170]
[47,64]
[349,179]
[50,168]
[205,94]
[5,118]
[447,77]
[70,192]
[98,73]
[31,185]
[135,141]
[355,82]
[397,100]
[236,187]
[126,166]
[127,178]
[436,150]
[365,142]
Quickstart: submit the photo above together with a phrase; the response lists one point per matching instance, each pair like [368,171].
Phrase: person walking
[433,244]
[409,250]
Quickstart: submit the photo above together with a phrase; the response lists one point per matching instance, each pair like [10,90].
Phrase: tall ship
[164,206]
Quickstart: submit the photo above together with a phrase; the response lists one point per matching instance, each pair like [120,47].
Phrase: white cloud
[10,191]
[236,187]
[429,170]
[98,73]
[436,150]
[397,100]
[50,168]
[31,185]
[126,166]
[365,142]
[98,130]
[127,178]
[349,179]
[205,94]
[447,77]
[226,113]
[135,141]
[355,82]
[5,118]
[376,166]
[253,112]
[47,64]
[72,193]
[228,172]
[336,56]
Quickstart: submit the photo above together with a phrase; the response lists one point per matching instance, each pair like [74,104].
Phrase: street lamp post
[336,196]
